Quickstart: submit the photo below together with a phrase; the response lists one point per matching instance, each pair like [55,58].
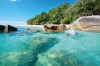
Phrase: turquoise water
[28,48]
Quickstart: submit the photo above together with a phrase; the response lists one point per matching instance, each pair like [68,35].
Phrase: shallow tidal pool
[28,48]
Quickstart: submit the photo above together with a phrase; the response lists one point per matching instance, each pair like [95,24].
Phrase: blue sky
[21,10]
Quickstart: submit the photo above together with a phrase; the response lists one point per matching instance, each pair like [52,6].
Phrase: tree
[66,13]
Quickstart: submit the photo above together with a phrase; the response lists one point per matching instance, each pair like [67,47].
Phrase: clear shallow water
[28,48]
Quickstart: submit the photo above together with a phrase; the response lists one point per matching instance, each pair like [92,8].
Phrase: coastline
[25,25]
[30,26]
[40,26]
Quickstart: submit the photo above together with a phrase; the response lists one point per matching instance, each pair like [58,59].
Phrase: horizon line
[11,22]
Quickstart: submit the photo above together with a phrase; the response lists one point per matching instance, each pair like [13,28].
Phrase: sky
[22,10]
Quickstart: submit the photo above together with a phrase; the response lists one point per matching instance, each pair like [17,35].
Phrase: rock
[68,58]
[2,28]
[40,44]
[7,28]
[28,29]
[11,28]
[28,55]
[17,59]
[87,23]
[54,28]
[57,58]
[45,28]
[63,27]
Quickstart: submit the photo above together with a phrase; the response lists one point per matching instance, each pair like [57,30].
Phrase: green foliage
[66,13]
[39,19]
[65,21]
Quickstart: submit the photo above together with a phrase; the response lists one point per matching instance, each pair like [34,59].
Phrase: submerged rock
[41,44]
[57,58]
[67,58]
[28,29]
[27,55]
[17,59]
[87,23]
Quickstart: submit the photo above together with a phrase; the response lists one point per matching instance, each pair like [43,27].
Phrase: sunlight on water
[24,48]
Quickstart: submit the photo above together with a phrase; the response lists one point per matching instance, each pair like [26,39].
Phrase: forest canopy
[66,14]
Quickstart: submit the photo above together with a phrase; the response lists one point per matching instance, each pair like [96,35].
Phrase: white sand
[41,26]
[30,25]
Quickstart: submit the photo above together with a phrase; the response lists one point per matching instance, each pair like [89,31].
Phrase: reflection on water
[23,48]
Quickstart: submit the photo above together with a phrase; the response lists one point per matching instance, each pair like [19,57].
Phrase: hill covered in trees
[66,14]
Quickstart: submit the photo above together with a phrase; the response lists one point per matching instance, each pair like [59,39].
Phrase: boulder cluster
[7,28]
[54,28]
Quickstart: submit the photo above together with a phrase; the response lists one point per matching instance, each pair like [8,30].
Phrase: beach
[24,25]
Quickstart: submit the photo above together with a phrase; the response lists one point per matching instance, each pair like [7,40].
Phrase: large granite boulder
[87,23]
[7,28]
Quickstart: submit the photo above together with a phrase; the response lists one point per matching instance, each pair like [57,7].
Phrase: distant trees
[89,7]
[66,14]
[39,19]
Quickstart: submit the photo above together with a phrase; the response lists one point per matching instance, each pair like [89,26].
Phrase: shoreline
[29,25]
[34,25]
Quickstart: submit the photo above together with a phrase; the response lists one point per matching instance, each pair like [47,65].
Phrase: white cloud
[15,0]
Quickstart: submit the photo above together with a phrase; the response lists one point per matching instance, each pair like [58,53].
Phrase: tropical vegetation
[66,13]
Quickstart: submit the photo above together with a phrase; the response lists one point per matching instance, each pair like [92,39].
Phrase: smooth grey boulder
[87,23]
